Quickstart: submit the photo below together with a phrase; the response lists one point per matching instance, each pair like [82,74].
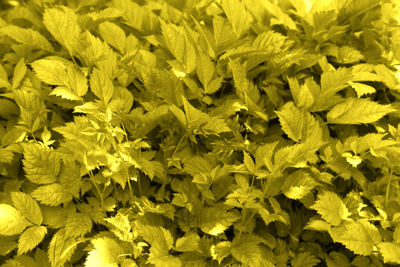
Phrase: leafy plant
[200,133]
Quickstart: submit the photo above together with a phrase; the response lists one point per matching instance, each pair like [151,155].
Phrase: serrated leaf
[161,242]
[205,69]
[302,94]
[27,36]
[280,17]
[178,42]
[121,227]
[248,162]
[305,259]
[71,80]
[113,35]
[238,16]
[390,252]
[331,208]
[214,220]
[11,220]
[292,120]
[358,236]
[19,73]
[221,250]
[106,252]
[78,224]
[224,36]
[196,119]
[317,225]
[50,71]
[62,23]
[189,242]
[358,110]
[246,250]
[101,85]
[41,164]
[336,80]
[137,16]
[30,238]
[28,207]
[298,184]
[61,248]
[52,194]
[362,89]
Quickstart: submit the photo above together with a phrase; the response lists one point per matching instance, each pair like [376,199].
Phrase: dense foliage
[200,133]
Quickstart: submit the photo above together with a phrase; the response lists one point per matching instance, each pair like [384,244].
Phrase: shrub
[200,133]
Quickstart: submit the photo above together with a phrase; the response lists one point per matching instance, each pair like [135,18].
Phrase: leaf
[357,110]
[50,71]
[360,236]
[11,220]
[246,250]
[161,242]
[205,70]
[62,23]
[73,83]
[121,227]
[221,250]
[248,162]
[292,120]
[113,35]
[52,194]
[224,36]
[298,184]
[101,85]
[7,244]
[280,17]
[238,16]
[30,238]
[179,44]
[196,119]
[362,89]
[19,73]
[136,16]
[331,208]
[390,252]
[78,224]
[334,81]
[61,248]
[106,252]
[28,207]
[189,242]
[27,36]
[214,220]
[302,95]
[305,259]
[41,163]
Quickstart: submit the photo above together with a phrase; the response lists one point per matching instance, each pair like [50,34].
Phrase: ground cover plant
[199,133]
